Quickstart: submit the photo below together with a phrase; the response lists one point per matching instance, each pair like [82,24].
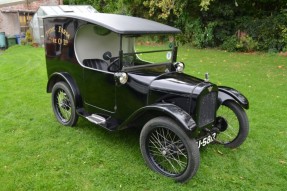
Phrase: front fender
[57,77]
[163,109]
[227,93]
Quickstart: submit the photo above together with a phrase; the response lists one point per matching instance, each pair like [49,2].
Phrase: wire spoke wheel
[63,104]
[237,124]
[168,150]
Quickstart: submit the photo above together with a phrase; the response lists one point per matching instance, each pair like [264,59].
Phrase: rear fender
[144,114]
[57,77]
[227,93]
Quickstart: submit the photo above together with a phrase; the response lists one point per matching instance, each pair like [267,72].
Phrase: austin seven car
[121,72]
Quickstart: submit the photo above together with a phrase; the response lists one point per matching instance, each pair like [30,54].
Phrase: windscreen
[151,49]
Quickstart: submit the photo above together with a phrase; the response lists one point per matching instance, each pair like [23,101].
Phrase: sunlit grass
[37,153]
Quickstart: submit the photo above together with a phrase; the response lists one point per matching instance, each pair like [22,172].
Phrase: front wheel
[234,124]
[63,104]
[168,150]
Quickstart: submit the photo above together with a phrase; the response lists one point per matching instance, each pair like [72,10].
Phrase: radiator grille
[207,106]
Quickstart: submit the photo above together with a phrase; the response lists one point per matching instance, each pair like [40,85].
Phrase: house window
[24,19]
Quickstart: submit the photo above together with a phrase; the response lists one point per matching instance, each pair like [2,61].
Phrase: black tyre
[168,150]
[63,104]
[236,124]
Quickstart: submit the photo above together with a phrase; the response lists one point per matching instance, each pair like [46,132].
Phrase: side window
[91,42]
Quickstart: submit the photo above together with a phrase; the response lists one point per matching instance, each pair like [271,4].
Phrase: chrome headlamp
[179,67]
[121,77]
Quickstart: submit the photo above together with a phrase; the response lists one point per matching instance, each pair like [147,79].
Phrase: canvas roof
[122,24]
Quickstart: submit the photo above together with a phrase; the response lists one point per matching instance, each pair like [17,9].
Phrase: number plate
[206,140]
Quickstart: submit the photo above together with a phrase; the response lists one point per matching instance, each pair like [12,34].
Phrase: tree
[211,23]
[204,4]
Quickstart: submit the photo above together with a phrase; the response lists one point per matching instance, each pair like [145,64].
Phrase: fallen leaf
[219,152]
[282,162]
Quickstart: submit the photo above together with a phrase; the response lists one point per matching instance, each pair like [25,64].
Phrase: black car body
[94,71]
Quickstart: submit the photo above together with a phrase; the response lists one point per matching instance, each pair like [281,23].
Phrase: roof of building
[66,9]
[121,24]
[18,11]
[5,3]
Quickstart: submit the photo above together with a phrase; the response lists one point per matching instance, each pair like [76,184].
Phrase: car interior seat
[96,64]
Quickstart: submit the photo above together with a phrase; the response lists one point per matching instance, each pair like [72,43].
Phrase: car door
[91,42]
[99,89]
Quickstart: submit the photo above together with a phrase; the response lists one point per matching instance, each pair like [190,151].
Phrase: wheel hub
[164,152]
[64,104]
[168,150]
[221,124]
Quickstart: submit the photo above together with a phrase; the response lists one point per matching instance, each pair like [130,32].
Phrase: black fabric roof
[123,24]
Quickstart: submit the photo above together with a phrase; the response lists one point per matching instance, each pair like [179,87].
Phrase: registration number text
[206,140]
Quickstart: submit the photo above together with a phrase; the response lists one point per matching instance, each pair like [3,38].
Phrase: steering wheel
[128,61]
[114,62]
[114,65]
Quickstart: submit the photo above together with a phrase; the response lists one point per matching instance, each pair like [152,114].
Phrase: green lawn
[37,153]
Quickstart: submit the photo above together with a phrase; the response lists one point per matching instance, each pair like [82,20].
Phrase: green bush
[247,44]
[266,30]
[270,32]
[242,44]
[193,33]
[216,27]
[199,35]
[230,44]
[283,29]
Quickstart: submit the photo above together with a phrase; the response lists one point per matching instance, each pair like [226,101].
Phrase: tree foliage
[236,25]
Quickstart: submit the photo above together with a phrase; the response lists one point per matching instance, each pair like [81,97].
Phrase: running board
[96,119]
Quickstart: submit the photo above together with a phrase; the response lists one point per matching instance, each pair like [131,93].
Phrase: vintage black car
[99,68]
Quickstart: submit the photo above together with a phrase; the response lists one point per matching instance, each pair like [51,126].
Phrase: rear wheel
[168,150]
[63,104]
[234,124]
